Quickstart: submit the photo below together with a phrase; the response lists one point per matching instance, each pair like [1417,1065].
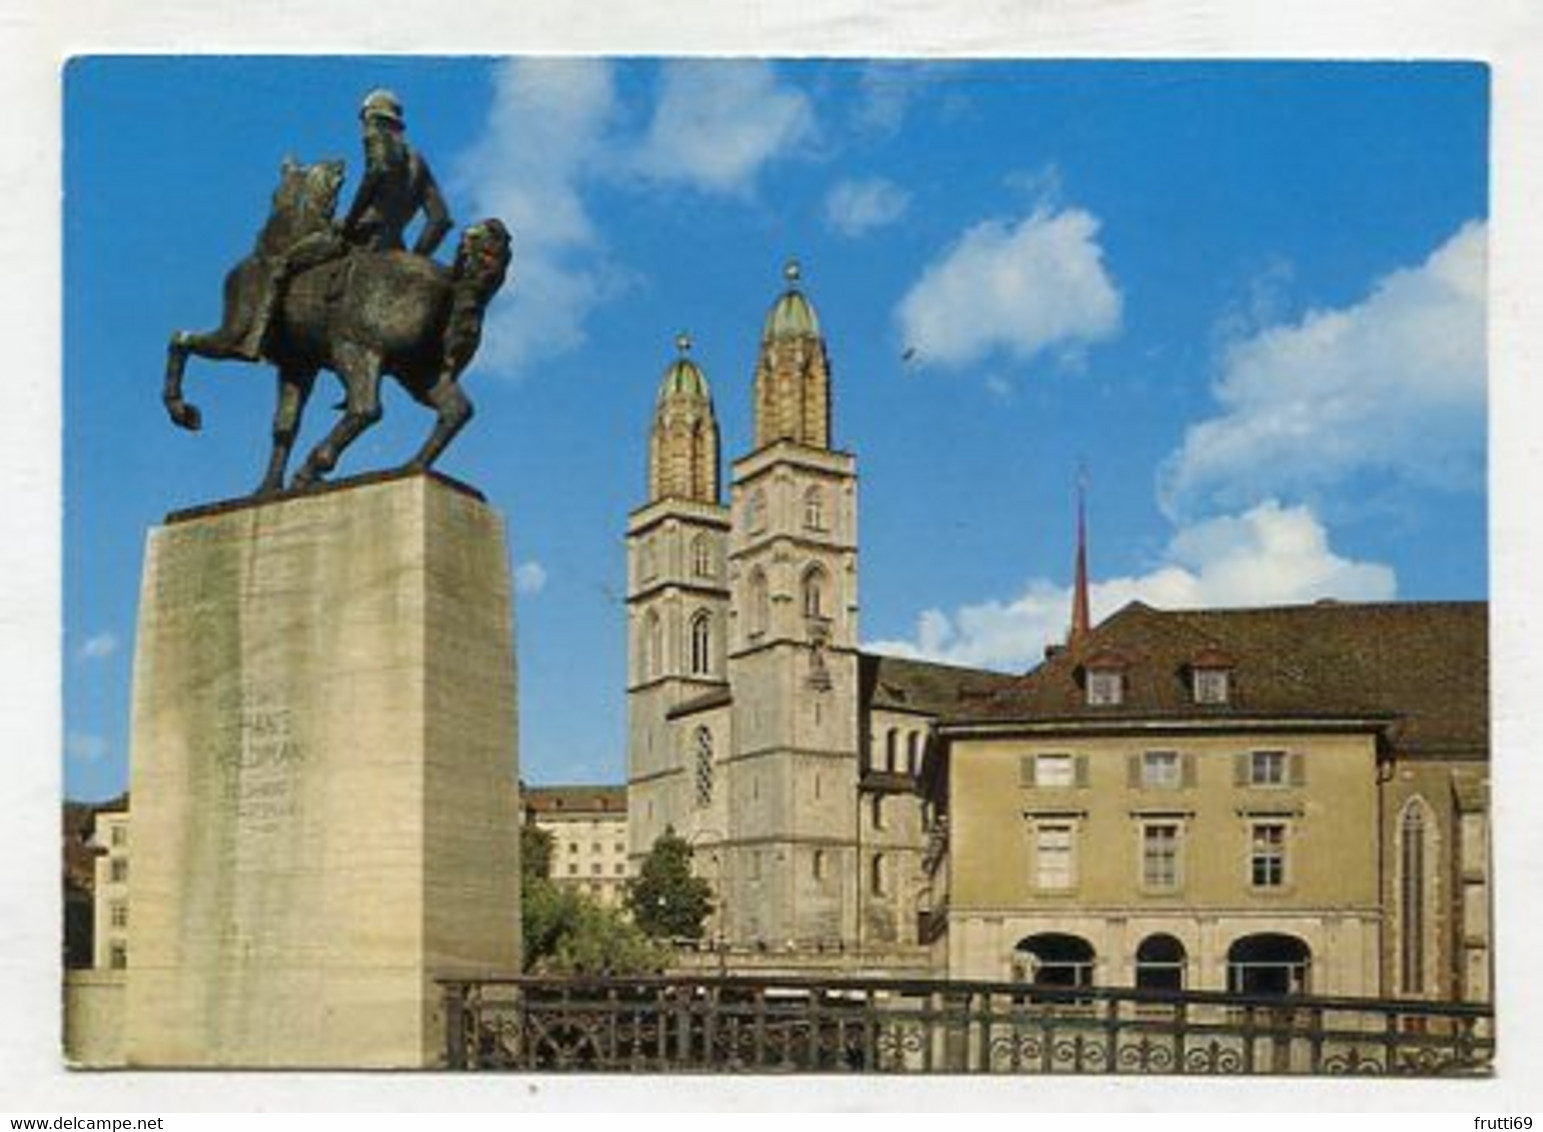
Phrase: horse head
[483,256]
[305,201]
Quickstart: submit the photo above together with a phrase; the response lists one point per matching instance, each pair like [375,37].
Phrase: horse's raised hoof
[185,416]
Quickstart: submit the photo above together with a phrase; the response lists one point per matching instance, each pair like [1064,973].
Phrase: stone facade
[323,772]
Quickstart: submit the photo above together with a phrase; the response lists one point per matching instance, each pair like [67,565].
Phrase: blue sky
[1250,296]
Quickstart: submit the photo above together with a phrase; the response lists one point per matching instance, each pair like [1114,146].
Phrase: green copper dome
[684,378]
[792,314]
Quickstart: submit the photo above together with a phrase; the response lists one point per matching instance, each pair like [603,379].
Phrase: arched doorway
[1054,959]
[1268,963]
[1160,963]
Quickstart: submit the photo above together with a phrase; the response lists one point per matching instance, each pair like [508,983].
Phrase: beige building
[588,825]
[110,838]
[1266,800]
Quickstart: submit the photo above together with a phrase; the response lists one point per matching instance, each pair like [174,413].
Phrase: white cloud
[718,122]
[529,578]
[83,747]
[1023,288]
[1270,555]
[853,207]
[546,131]
[1394,385]
[99,647]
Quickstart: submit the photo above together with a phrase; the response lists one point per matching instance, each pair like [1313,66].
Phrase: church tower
[677,607]
[790,847]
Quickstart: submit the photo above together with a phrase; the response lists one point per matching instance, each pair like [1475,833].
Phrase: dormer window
[1106,687]
[1212,685]
[1210,677]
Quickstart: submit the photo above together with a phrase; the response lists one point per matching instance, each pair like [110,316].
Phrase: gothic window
[814,509]
[755,511]
[704,767]
[891,745]
[878,811]
[814,593]
[1413,853]
[760,603]
[702,644]
[653,645]
[819,864]
[701,557]
[913,758]
[876,875]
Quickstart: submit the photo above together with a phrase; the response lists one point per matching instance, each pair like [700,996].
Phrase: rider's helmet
[381,104]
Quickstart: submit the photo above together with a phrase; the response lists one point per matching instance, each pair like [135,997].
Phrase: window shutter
[1297,768]
[1026,770]
[1187,769]
[1240,768]
[1082,770]
[1133,771]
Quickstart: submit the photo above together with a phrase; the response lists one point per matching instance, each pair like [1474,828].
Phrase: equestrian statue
[349,297]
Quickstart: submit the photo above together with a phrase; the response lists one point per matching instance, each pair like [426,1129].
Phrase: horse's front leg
[216,345]
[294,390]
[454,409]
[360,370]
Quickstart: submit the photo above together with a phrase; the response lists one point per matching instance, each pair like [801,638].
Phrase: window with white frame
[1267,854]
[1054,855]
[1160,855]
[1106,687]
[1267,768]
[1055,770]
[1211,685]
[1161,770]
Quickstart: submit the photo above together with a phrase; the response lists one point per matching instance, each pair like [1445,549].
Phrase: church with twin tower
[757,730]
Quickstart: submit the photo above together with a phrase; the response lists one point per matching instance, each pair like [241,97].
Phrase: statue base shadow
[323,777]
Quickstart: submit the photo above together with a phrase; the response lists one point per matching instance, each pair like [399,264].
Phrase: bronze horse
[363,315]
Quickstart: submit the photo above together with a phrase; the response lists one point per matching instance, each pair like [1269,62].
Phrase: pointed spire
[1082,620]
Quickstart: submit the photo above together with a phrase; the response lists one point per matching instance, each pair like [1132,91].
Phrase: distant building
[588,825]
[1260,800]
[110,837]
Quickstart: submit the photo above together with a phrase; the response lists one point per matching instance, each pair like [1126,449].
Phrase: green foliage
[666,900]
[568,933]
[535,852]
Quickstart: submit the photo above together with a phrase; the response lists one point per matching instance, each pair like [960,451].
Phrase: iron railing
[764,1025]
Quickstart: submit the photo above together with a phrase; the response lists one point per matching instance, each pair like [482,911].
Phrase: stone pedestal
[324,777]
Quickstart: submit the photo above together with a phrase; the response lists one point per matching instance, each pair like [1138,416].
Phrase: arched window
[755,511]
[702,557]
[704,767]
[876,875]
[913,753]
[891,753]
[814,509]
[1054,959]
[702,644]
[1160,963]
[652,645]
[1413,891]
[877,805]
[819,864]
[760,603]
[814,592]
[1268,963]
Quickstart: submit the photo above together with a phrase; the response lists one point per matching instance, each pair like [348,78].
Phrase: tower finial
[1081,618]
[792,272]
[683,343]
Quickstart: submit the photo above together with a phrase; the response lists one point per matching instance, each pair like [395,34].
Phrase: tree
[666,900]
[568,933]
